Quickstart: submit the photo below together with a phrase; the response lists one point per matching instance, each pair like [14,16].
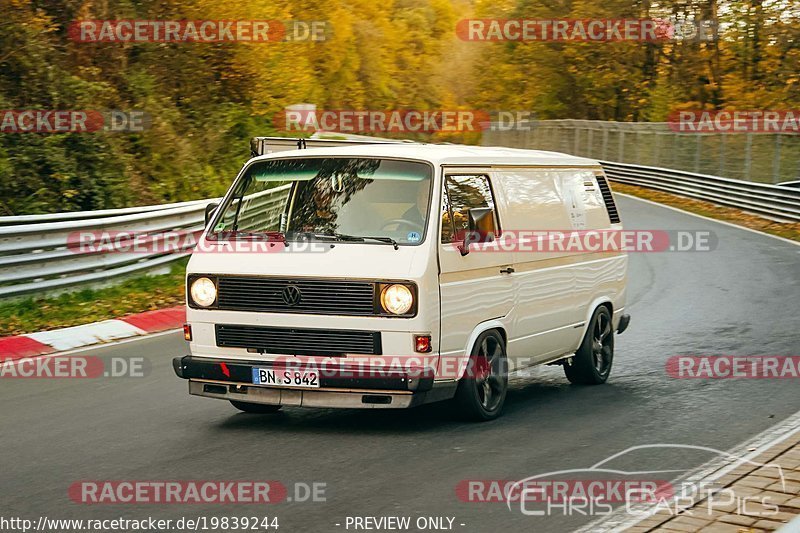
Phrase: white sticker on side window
[574,199]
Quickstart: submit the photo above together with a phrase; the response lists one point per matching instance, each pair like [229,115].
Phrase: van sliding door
[547,312]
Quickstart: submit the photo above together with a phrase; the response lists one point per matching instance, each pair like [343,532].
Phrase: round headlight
[203,291]
[397,299]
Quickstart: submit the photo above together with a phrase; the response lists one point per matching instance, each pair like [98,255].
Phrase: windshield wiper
[387,240]
[346,237]
[313,235]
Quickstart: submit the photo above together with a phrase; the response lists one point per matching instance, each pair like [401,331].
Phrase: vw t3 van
[389,275]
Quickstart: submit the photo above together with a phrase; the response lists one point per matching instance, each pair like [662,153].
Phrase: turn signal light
[187,332]
[422,343]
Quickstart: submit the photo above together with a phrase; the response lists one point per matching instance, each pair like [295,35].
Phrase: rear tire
[256,408]
[591,364]
[481,392]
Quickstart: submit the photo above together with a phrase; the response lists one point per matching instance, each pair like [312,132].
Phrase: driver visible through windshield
[347,199]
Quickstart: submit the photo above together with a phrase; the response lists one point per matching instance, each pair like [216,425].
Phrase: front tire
[256,408]
[481,392]
[591,364]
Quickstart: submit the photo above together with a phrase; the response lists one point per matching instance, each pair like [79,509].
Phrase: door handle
[509,270]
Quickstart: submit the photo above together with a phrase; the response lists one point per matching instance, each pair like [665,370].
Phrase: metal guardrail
[49,253]
[100,213]
[762,157]
[770,201]
[35,252]
[35,255]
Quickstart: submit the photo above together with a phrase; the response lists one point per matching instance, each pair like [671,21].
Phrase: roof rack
[268,145]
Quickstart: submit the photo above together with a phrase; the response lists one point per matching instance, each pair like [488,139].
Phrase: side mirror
[481,227]
[210,208]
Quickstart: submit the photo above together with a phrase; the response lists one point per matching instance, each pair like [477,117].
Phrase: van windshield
[349,199]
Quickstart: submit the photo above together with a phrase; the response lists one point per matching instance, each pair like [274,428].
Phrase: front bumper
[345,387]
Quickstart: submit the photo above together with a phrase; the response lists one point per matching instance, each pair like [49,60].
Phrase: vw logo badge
[291,295]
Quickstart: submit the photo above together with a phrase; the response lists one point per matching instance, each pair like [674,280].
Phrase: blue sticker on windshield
[413,236]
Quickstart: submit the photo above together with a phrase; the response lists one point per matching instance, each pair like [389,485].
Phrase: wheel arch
[604,301]
[481,328]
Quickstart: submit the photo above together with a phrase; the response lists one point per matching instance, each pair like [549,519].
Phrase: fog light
[187,332]
[422,343]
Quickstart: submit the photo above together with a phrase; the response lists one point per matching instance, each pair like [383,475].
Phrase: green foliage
[204,101]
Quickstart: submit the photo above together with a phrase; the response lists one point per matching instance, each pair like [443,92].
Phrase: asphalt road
[741,299]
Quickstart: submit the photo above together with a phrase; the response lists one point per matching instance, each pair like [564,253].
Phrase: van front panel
[319,298]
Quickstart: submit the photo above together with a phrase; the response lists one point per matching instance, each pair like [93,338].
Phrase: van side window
[471,192]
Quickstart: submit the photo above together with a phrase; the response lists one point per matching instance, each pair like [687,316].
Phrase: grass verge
[786,230]
[134,295]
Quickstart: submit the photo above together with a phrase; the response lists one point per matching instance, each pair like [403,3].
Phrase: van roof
[442,154]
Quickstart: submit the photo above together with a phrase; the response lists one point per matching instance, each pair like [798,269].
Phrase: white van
[391,274]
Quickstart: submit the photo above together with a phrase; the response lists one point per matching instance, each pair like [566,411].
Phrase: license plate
[272,377]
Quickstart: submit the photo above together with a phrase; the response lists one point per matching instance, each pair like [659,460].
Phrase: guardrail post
[697,147]
[776,160]
[589,141]
[638,148]
[748,158]
[675,138]
[657,148]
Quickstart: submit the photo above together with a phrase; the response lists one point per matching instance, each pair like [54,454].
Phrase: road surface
[741,299]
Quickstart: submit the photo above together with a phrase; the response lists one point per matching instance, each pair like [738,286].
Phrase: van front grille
[296,295]
[297,341]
